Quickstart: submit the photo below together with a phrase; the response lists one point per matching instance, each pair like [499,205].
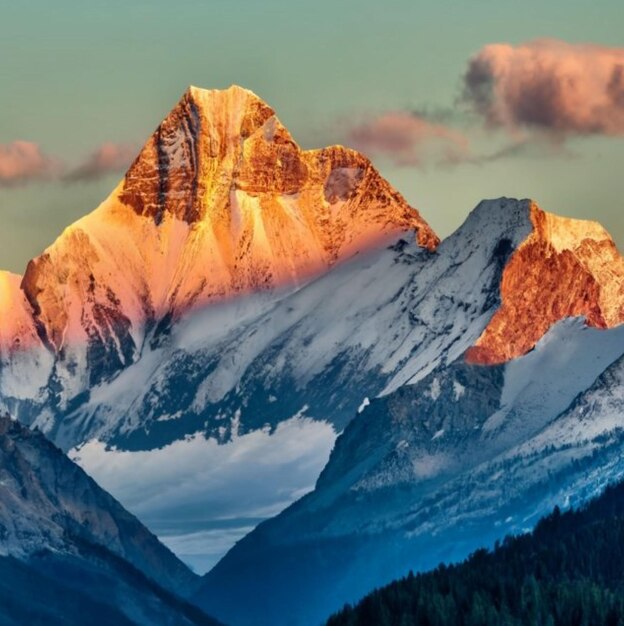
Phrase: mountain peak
[215,142]
[198,93]
[564,268]
[220,201]
[203,131]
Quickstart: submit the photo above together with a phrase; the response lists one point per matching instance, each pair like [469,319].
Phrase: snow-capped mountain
[220,202]
[113,332]
[237,301]
[464,444]
[70,550]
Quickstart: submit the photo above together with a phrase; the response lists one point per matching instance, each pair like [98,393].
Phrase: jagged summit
[563,268]
[220,201]
[217,145]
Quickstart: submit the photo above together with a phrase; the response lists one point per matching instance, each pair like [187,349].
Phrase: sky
[83,84]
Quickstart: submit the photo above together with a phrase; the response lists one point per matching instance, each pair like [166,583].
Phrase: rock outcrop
[564,268]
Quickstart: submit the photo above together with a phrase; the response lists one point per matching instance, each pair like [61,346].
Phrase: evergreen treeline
[568,572]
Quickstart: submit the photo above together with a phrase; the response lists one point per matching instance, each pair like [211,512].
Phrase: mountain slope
[221,207]
[309,349]
[564,268]
[60,590]
[59,531]
[564,572]
[253,376]
[394,315]
[383,319]
[452,454]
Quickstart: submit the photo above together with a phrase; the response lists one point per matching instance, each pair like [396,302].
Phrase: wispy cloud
[533,97]
[24,161]
[105,159]
[408,139]
[548,86]
[528,147]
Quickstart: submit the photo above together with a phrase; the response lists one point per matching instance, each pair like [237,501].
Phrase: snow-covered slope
[236,370]
[384,318]
[61,532]
[380,319]
[433,470]
[281,378]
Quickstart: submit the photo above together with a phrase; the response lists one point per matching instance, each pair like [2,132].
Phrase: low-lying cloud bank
[199,497]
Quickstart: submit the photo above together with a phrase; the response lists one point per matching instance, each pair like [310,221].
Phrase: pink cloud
[106,159]
[24,161]
[409,139]
[549,85]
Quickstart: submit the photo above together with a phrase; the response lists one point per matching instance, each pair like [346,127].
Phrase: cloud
[549,85]
[24,161]
[200,496]
[106,159]
[532,146]
[409,139]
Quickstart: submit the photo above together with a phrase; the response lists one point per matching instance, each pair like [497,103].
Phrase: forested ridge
[568,572]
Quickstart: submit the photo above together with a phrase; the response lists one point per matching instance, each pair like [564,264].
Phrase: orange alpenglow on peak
[564,268]
[17,329]
[220,201]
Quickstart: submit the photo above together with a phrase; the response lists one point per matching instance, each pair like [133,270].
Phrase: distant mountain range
[233,285]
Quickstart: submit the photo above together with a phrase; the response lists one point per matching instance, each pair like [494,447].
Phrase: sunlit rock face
[564,268]
[219,202]
[17,327]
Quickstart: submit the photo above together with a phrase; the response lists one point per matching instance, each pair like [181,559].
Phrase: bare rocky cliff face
[564,268]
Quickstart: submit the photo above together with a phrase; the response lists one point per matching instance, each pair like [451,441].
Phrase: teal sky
[75,74]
